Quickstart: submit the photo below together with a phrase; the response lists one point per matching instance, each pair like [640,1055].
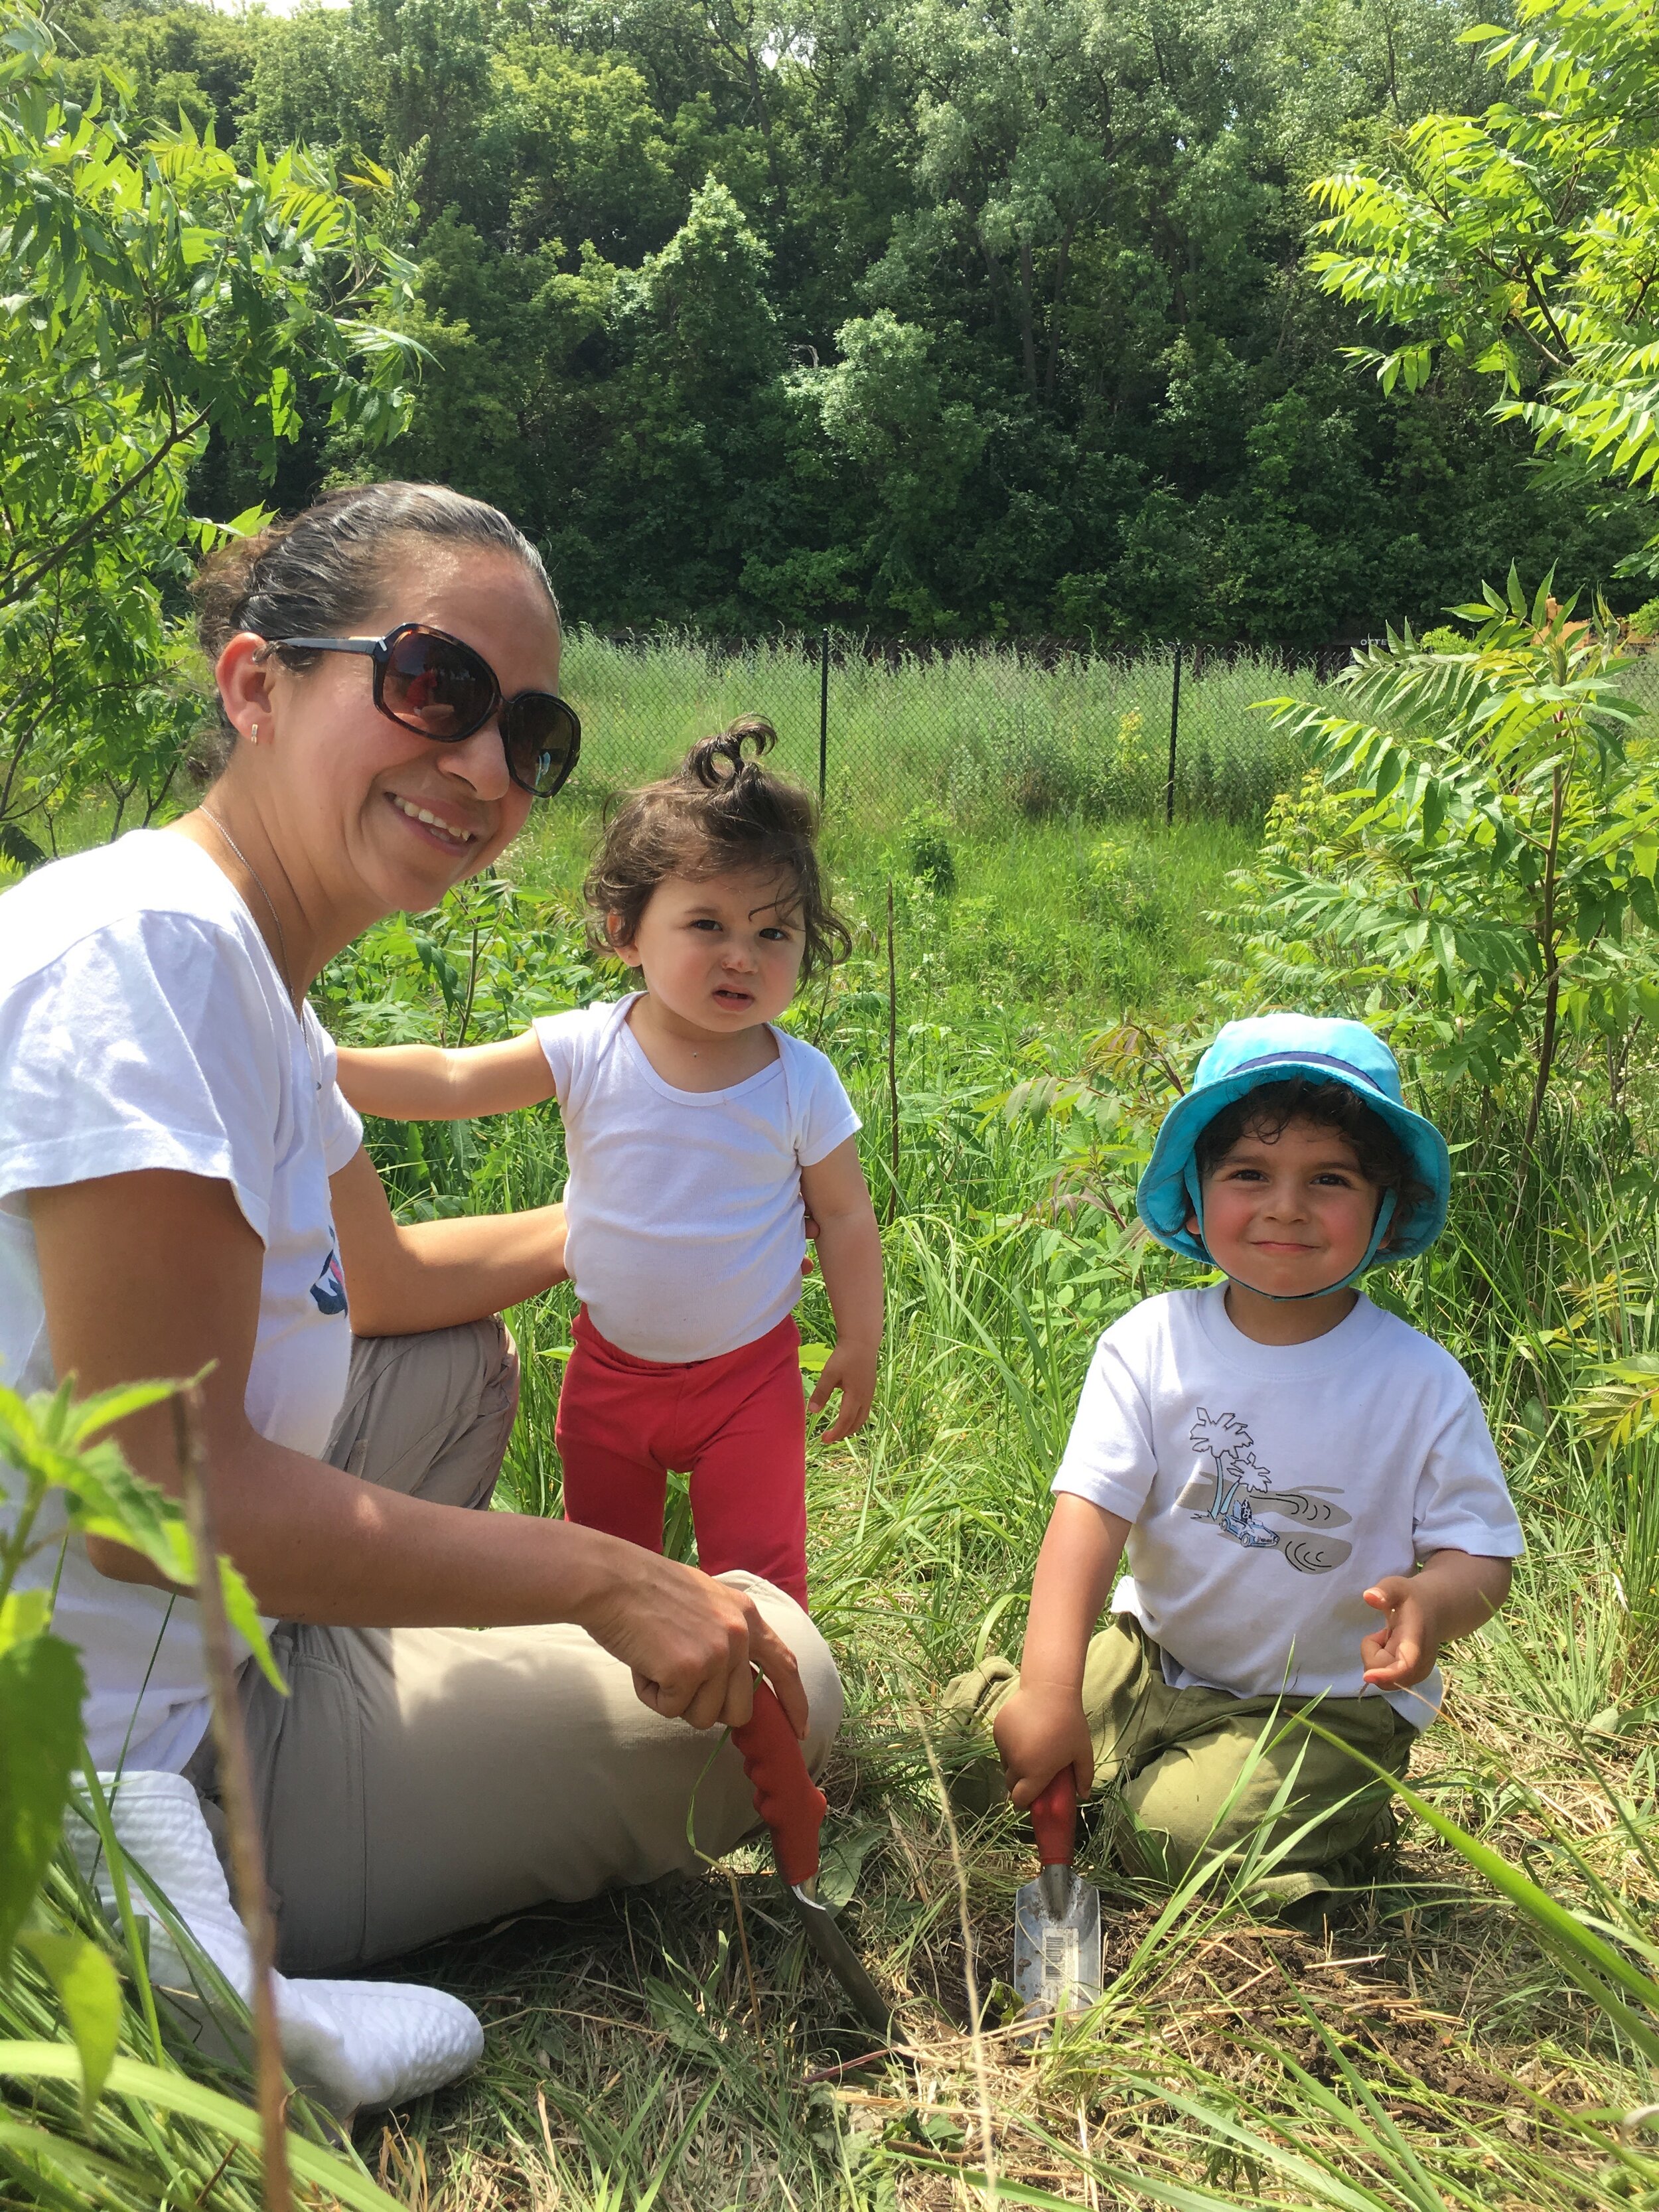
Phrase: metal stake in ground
[1174,729]
[823,713]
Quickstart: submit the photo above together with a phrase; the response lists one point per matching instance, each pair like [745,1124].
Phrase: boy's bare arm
[425,1083]
[1042,1727]
[1451,1593]
[849,1253]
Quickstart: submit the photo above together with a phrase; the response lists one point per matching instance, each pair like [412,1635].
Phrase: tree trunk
[1027,315]
[1061,266]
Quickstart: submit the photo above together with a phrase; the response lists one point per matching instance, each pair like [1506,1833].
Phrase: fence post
[1175,731]
[823,713]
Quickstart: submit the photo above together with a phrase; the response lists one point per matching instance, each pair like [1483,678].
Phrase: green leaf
[163,2089]
[24,1614]
[244,1617]
[89,1992]
[41,1686]
[815,1358]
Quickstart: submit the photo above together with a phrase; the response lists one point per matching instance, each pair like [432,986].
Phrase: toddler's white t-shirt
[685,1233]
[143,1024]
[1270,1485]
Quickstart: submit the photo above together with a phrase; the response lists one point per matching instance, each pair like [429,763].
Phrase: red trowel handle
[1053,1816]
[786,1796]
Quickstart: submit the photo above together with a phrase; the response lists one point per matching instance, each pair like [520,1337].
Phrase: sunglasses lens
[542,738]
[437,685]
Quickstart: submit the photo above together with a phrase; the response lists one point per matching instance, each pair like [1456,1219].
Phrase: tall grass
[1437,2052]
[991,736]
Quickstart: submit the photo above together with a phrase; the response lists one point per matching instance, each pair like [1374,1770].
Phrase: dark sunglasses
[433,684]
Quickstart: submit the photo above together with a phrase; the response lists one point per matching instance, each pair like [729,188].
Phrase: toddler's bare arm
[426,1083]
[849,1253]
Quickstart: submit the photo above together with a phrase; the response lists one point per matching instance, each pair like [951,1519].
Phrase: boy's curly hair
[1268,1110]
[719,812]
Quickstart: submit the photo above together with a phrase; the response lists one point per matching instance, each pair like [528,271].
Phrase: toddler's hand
[1404,1650]
[1038,1731]
[850,1369]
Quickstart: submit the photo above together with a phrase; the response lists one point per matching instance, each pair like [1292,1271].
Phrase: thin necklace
[282,934]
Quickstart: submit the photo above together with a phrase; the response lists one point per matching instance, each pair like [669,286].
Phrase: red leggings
[737,1425]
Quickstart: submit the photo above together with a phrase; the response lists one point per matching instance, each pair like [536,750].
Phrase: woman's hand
[692,1644]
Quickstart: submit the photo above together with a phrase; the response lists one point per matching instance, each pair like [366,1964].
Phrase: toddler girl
[696,1132]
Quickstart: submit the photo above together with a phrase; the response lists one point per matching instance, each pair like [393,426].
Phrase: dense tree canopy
[939,318]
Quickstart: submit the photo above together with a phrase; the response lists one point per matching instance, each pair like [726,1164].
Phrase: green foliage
[901,316]
[152,294]
[52,1449]
[927,852]
[1521,241]
[1477,858]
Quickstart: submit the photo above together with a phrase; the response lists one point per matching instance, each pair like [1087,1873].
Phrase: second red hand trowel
[1057,1950]
[792,1807]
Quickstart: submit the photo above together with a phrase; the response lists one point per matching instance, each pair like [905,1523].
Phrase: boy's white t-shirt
[143,1024]
[685,1234]
[1268,1486]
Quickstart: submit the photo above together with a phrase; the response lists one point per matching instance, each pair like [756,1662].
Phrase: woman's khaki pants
[415,1781]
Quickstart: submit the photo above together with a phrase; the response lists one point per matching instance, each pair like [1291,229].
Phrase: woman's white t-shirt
[143,1024]
[1269,1485]
[686,1233]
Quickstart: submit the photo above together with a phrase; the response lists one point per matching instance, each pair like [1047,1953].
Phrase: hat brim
[1162,1198]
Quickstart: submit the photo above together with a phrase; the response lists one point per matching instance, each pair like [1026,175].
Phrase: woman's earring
[253,735]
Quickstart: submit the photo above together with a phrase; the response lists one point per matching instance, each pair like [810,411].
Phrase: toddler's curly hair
[720,810]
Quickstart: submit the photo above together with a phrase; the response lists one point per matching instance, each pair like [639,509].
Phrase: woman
[182,1188]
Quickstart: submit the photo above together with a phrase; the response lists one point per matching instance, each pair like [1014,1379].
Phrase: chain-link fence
[987,736]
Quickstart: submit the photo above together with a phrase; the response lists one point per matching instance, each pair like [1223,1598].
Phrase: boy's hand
[850,1369]
[1452,1593]
[1040,1729]
[1404,1650]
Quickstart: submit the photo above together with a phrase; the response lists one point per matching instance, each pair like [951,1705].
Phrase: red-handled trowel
[1057,1917]
[792,1807]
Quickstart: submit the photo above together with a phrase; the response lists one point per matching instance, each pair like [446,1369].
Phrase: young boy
[1305,1487]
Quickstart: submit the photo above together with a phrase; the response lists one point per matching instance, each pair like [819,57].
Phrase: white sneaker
[348,2045]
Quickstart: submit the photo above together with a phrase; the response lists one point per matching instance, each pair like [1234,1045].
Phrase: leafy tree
[1476,848]
[1089,222]
[150,293]
[1525,240]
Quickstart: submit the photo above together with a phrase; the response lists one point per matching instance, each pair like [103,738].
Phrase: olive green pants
[1198,1772]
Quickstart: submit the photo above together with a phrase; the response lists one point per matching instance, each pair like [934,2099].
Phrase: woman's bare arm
[158,1274]
[428,1083]
[430,1274]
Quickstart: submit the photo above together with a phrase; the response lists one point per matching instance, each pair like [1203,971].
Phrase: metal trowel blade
[1057,1950]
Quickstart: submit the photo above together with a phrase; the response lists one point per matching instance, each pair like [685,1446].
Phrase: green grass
[990,736]
[1435,2054]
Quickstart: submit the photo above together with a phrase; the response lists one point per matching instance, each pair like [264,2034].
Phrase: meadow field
[1432,2052]
[1057,966]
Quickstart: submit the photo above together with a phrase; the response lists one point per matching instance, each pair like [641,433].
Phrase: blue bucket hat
[1273,1048]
